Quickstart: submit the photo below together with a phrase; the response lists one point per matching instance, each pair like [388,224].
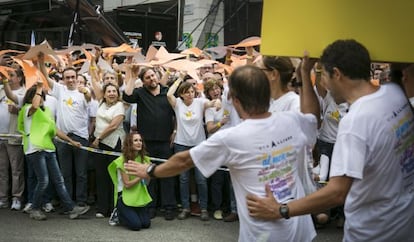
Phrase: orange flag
[31,73]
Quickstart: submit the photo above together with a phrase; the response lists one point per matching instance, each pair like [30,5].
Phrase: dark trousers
[104,185]
[74,163]
[161,190]
[134,218]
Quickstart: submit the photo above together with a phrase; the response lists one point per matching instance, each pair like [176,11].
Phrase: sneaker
[218,215]
[169,214]
[78,211]
[16,204]
[48,208]
[36,214]
[232,217]
[204,215]
[27,208]
[99,215]
[4,204]
[113,219]
[185,213]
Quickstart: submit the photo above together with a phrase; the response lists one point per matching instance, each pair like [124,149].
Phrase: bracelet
[5,81]
[218,125]
[39,94]
[92,68]
[177,82]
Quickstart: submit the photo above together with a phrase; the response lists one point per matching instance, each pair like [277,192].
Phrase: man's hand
[136,169]
[266,208]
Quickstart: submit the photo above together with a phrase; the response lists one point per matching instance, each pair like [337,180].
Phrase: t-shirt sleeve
[119,109]
[210,154]
[309,126]
[133,98]
[209,115]
[349,156]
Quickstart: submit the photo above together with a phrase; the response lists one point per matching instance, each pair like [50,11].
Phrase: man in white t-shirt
[263,149]
[72,118]
[372,170]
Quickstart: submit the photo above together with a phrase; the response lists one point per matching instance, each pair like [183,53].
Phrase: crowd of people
[257,139]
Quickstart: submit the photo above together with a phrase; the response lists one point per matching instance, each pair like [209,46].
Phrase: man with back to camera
[262,149]
[372,170]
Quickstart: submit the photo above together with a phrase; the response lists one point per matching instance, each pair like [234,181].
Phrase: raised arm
[131,75]
[173,88]
[36,98]
[320,88]
[42,68]
[8,91]
[308,101]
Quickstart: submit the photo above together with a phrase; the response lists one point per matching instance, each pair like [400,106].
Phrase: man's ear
[337,74]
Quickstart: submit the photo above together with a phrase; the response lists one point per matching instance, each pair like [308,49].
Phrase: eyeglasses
[109,77]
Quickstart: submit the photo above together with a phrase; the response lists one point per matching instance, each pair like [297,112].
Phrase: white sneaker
[27,208]
[48,208]
[16,204]
[114,220]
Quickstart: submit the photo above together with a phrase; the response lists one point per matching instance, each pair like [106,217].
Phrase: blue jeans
[31,182]
[45,166]
[72,158]
[201,182]
[134,218]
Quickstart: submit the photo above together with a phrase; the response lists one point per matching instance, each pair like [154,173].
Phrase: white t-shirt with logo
[259,152]
[190,129]
[72,110]
[375,147]
[332,114]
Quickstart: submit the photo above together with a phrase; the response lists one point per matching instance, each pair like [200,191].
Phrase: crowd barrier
[90,149]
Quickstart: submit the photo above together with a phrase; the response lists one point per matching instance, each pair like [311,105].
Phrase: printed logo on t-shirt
[335,115]
[278,172]
[70,102]
[403,130]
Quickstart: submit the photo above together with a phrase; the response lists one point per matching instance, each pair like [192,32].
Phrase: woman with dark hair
[130,192]
[279,71]
[189,112]
[109,134]
[38,128]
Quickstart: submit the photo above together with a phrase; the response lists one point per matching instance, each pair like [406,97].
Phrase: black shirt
[154,113]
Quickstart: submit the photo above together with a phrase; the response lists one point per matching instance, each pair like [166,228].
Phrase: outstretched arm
[176,164]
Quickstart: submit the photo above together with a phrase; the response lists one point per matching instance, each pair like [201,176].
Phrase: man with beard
[155,121]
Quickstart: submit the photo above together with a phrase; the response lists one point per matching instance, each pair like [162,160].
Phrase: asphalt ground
[17,226]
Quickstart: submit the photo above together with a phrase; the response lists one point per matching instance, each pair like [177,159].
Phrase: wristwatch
[151,169]
[284,211]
